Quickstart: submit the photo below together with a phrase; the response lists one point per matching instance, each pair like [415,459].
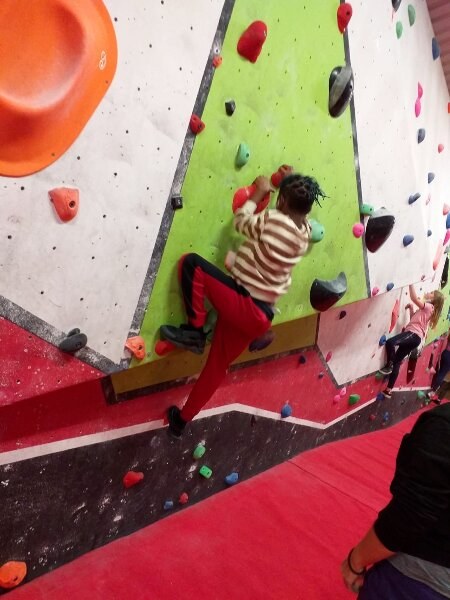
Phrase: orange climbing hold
[394,315]
[251,41]
[163,347]
[217,61]
[196,125]
[136,346]
[57,61]
[66,202]
[12,574]
[344,14]
[132,478]
[245,193]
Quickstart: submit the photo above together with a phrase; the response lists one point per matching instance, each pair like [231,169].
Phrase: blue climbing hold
[407,240]
[431,176]
[435,49]
[380,396]
[382,340]
[420,135]
[168,505]
[286,411]
[429,232]
[389,286]
[232,478]
[302,359]
[413,198]
[386,416]
[447,221]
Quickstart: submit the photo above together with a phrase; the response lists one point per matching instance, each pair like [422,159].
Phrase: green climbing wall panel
[282,114]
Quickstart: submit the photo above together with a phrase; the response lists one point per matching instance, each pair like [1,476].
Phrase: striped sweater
[274,246]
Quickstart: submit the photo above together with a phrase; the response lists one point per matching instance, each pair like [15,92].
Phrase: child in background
[416,331]
[244,301]
[444,368]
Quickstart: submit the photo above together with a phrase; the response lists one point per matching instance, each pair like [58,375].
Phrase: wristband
[349,557]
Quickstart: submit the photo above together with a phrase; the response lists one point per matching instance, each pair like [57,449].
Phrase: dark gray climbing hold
[389,286]
[396,4]
[324,293]
[408,239]
[435,49]
[230,107]
[340,90]
[413,198]
[420,135]
[176,202]
[342,314]
[447,221]
[429,232]
[444,277]
[262,342]
[73,342]
[379,228]
[431,177]
[301,359]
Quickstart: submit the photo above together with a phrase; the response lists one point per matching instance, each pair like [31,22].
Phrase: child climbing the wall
[244,301]
[415,332]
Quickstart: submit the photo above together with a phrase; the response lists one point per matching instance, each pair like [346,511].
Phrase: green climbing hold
[199,451]
[366,209]
[317,231]
[353,399]
[243,155]
[205,472]
[379,376]
[399,29]
[421,395]
[411,14]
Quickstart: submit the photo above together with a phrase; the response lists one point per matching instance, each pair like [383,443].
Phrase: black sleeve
[421,485]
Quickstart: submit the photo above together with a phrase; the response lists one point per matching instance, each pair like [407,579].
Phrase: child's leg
[444,368]
[407,343]
[390,346]
[227,345]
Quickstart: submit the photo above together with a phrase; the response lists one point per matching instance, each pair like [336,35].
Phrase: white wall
[123,163]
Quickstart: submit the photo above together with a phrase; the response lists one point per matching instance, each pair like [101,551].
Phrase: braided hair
[300,192]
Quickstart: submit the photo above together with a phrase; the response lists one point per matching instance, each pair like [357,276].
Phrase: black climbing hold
[340,90]
[431,177]
[176,202]
[444,277]
[396,4]
[342,314]
[420,135]
[302,359]
[73,342]
[429,232]
[413,198]
[325,293]
[379,228]
[230,107]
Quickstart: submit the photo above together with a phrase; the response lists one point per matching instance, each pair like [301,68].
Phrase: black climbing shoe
[387,369]
[176,423]
[185,337]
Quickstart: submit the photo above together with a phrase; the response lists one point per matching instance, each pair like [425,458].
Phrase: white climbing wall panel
[393,165]
[354,339]
[88,273]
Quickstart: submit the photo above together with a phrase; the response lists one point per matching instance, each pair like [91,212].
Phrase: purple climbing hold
[413,198]
[420,135]
[380,396]
[342,314]
[382,340]
[431,177]
[389,286]
[435,49]
[408,239]
[262,342]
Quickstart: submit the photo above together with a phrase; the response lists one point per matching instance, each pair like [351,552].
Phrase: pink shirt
[420,319]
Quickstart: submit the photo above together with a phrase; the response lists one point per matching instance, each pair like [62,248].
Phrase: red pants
[240,320]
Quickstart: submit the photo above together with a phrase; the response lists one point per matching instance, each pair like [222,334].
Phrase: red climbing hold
[196,125]
[163,347]
[251,41]
[328,356]
[440,148]
[183,499]
[447,237]
[66,202]
[136,346]
[245,193]
[132,478]
[394,315]
[217,61]
[344,14]
[12,573]
[279,175]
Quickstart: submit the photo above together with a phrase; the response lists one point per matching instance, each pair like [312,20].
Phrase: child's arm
[410,308]
[414,298]
[245,221]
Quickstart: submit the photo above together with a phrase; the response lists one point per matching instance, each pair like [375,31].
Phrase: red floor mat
[280,535]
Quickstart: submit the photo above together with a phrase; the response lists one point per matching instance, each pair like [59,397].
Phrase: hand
[352,582]
[408,306]
[263,185]
[285,170]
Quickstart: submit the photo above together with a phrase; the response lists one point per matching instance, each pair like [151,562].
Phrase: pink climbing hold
[417,107]
[438,256]
[251,41]
[328,356]
[447,237]
[419,90]
[358,230]
[394,315]
[337,398]
[375,291]
[432,371]
[343,392]
[445,209]
[440,148]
